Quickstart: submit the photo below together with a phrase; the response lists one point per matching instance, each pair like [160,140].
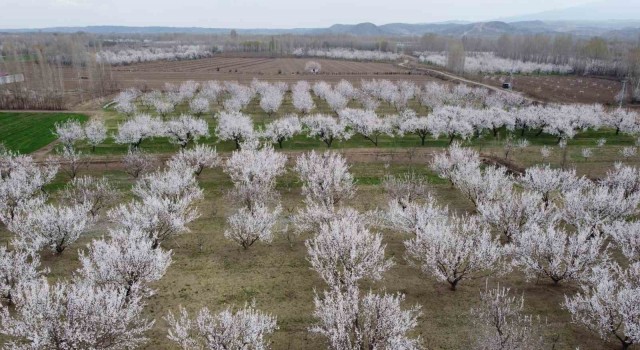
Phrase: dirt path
[450,76]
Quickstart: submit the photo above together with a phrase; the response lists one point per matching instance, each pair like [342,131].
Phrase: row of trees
[562,121]
[102,305]
[591,55]
[488,62]
[348,54]
[130,56]
[556,228]
[371,94]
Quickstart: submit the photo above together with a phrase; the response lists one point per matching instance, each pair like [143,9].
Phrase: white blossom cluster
[554,225]
[488,62]
[348,54]
[130,56]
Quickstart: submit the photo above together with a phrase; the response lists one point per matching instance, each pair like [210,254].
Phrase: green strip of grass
[28,132]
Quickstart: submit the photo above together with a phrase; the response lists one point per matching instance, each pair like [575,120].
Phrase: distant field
[244,69]
[27,132]
[563,89]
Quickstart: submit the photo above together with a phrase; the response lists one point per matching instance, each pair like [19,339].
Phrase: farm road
[450,76]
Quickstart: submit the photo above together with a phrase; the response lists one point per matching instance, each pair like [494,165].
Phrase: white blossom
[132,132]
[137,162]
[608,303]
[55,227]
[344,252]
[197,158]
[69,133]
[73,316]
[234,126]
[501,325]
[96,193]
[282,129]
[186,129]
[95,132]
[17,268]
[245,329]
[21,183]
[199,106]
[326,128]
[350,321]
[249,225]
[547,250]
[124,262]
[366,123]
[326,179]
[454,249]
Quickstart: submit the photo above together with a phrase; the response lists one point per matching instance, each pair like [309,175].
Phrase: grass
[27,132]
[209,270]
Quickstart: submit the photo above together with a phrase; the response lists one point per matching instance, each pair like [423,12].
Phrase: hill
[617,28]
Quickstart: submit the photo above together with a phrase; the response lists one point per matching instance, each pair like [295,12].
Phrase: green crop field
[27,132]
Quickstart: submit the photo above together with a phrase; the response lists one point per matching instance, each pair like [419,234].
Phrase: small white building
[6,78]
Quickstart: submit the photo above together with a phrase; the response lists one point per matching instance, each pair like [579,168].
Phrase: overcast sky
[259,13]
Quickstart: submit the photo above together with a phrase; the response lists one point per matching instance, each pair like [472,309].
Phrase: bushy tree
[351,321]
[344,252]
[406,189]
[96,193]
[282,129]
[95,132]
[549,251]
[326,179]
[514,211]
[454,249]
[245,329]
[366,123]
[592,207]
[312,67]
[326,128]
[626,235]
[548,181]
[250,224]
[137,162]
[126,262]
[253,171]
[185,129]
[234,126]
[133,131]
[501,325]
[17,268]
[197,158]
[73,316]
[69,132]
[49,226]
[199,106]
[21,183]
[608,303]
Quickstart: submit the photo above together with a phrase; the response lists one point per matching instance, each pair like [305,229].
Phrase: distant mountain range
[610,18]
[619,29]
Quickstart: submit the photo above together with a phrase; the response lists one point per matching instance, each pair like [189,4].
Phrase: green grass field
[28,132]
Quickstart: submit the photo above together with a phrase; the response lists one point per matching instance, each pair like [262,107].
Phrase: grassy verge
[27,132]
